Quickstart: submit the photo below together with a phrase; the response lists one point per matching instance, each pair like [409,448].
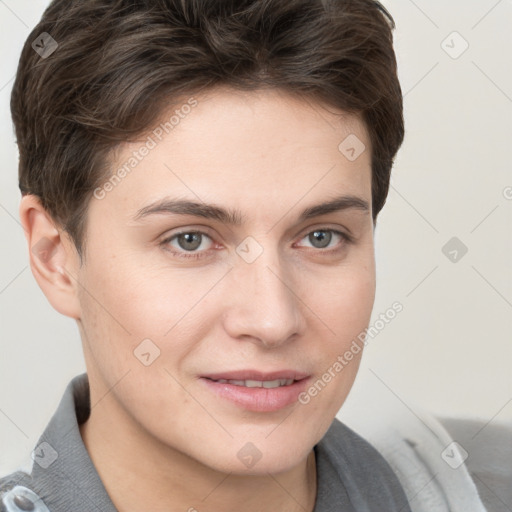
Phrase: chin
[261,457]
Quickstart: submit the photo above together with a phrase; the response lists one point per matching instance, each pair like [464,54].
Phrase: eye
[322,238]
[196,244]
[191,242]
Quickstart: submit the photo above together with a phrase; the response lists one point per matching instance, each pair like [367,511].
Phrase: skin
[159,438]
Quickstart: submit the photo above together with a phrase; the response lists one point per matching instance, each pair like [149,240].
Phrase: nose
[266,306]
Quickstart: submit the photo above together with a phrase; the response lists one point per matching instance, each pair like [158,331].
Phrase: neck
[140,473]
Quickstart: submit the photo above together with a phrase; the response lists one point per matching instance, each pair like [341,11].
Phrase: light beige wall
[450,349]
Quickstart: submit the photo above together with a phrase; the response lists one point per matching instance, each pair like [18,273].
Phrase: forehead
[243,148]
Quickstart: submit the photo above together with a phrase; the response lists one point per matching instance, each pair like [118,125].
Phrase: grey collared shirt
[351,474]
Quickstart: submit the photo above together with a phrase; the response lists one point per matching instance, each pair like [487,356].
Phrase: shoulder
[361,467]
[343,443]
[17,494]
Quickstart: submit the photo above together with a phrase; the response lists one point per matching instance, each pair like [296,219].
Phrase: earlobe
[53,258]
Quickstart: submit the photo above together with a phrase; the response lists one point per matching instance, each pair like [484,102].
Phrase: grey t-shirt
[351,474]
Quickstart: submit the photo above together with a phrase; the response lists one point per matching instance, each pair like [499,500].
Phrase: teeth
[268,384]
[252,384]
[272,384]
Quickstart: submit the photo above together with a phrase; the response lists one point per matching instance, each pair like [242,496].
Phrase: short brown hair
[120,62]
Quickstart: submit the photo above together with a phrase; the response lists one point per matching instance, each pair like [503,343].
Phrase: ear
[54,260]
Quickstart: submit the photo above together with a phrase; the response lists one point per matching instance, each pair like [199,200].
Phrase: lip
[257,375]
[257,399]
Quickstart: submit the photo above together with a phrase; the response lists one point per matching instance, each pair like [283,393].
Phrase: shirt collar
[63,473]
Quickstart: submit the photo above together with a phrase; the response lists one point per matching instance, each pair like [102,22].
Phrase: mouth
[257,391]
[267,384]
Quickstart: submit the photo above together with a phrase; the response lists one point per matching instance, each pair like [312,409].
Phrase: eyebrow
[235,217]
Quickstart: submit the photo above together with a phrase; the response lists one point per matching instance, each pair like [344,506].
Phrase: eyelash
[347,239]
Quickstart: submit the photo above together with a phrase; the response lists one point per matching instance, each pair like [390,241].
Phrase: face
[217,294]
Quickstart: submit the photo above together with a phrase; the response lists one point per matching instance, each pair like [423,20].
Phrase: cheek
[125,301]
[133,295]
[345,307]
[347,301]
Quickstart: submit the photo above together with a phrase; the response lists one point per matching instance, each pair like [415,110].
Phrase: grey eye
[189,241]
[320,238]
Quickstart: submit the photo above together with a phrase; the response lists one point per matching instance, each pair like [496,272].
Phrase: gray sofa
[489,447]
